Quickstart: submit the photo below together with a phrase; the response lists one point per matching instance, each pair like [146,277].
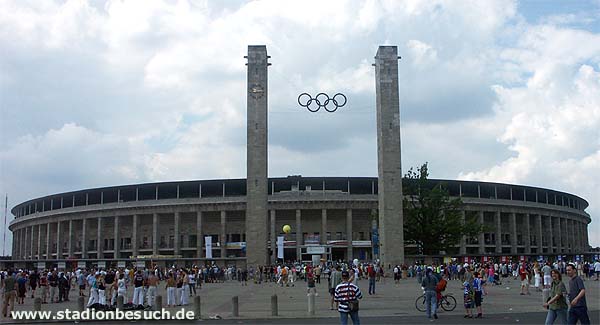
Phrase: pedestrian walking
[577,305]
[557,304]
[347,295]
[429,284]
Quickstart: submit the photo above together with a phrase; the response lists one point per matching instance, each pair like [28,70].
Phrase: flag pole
[5,214]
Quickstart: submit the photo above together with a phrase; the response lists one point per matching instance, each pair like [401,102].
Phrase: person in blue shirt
[478,289]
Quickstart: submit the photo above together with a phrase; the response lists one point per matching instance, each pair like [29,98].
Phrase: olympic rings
[322,100]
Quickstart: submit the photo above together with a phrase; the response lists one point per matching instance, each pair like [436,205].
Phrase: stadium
[329,216]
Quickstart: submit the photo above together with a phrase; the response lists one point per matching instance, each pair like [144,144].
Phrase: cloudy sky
[96,93]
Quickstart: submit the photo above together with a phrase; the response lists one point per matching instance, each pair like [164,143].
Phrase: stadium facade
[330,216]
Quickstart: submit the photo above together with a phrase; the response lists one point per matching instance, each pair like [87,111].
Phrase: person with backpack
[429,283]
[347,295]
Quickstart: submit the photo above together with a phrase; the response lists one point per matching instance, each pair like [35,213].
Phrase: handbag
[353,306]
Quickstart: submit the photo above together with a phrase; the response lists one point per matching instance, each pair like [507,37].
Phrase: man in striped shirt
[346,293]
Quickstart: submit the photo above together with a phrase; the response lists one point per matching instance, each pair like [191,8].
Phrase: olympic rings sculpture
[322,100]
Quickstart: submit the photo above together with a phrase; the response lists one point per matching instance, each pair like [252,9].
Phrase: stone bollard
[311,304]
[37,304]
[158,302]
[120,302]
[274,311]
[197,307]
[81,303]
[235,311]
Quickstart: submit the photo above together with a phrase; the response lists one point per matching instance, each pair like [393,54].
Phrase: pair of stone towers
[388,156]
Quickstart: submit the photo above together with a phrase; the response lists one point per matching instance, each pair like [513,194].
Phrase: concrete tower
[256,161]
[391,227]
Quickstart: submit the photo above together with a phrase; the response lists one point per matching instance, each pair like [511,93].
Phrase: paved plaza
[503,304]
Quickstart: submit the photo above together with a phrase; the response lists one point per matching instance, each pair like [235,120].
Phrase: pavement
[392,304]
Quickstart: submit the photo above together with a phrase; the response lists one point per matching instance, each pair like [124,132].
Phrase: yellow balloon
[287,229]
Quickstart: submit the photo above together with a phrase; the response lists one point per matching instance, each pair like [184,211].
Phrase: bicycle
[447,303]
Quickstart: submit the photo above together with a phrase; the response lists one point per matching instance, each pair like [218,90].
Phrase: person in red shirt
[372,277]
[524,279]
[441,287]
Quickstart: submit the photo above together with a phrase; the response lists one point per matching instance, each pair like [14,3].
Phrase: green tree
[432,219]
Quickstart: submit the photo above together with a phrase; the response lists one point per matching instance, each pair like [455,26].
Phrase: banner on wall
[208,242]
[280,247]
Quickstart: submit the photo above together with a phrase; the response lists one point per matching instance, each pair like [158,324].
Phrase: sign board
[81,264]
[61,265]
[121,264]
[140,264]
[41,265]
[101,264]
[315,250]
[578,258]
[316,259]
[280,247]
[208,244]
[559,257]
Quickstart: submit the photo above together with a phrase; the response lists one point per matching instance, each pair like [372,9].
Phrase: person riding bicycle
[441,287]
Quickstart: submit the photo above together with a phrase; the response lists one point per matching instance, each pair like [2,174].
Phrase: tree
[432,219]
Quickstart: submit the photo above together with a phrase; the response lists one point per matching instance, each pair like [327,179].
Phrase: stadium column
[70,248]
[223,237]
[573,235]
[256,159]
[391,221]
[39,242]
[323,238]
[349,233]
[84,238]
[513,233]
[498,219]
[199,238]
[155,234]
[58,241]
[558,232]
[25,241]
[549,233]
[463,239]
[99,245]
[134,235]
[481,239]
[298,235]
[48,242]
[30,252]
[117,239]
[565,236]
[22,243]
[526,233]
[540,234]
[176,221]
[273,237]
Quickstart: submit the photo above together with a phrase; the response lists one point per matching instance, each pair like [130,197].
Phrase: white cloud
[130,91]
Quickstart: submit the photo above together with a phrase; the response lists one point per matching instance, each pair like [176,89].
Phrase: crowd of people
[139,286]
